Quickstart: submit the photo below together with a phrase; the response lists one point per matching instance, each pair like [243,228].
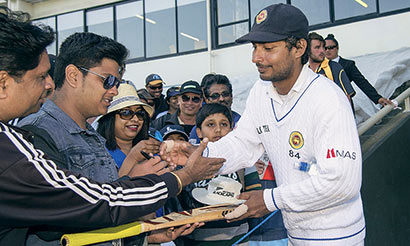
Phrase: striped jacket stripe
[92,192]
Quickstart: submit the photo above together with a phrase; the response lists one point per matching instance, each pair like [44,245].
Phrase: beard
[317,59]
[282,73]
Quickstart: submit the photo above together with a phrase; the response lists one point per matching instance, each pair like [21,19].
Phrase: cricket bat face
[203,214]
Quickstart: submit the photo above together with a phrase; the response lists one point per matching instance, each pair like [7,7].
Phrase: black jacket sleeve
[355,75]
[35,192]
[43,141]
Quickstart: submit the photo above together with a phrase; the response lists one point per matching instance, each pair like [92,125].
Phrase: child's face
[214,127]
[175,136]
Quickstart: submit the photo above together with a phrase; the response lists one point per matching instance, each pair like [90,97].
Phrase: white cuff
[269,200]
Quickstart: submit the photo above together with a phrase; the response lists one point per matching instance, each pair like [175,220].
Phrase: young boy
[214,121]
[174,132]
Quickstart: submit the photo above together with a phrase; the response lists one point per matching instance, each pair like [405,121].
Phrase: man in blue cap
[154,85]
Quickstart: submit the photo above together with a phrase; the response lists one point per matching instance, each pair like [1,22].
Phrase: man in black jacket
[332,53]
[34,191]
[190,101]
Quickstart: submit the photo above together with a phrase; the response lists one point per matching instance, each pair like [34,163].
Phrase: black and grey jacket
[34,192]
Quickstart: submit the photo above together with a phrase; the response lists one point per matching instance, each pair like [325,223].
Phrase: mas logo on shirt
[296,140]
[332,153]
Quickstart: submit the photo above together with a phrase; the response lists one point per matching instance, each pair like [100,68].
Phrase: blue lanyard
[256,227]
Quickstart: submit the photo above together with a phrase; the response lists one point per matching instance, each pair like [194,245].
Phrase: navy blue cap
[173,91]
[171,129]
[153,79]
[275,23]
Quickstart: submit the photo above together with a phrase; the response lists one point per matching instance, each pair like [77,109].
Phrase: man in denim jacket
[87,75]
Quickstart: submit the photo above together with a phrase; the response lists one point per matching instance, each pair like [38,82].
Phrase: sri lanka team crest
[261,16]
[296,140]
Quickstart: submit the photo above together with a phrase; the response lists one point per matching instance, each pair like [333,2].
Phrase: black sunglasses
[159,87]
[330,47]
[109,82]
[128,114]
[224,94]
[186,98]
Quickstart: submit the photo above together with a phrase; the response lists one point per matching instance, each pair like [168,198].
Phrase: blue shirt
[118,156]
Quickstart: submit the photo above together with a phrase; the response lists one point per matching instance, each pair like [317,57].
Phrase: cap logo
[156,77]
[189,86]
[261,16]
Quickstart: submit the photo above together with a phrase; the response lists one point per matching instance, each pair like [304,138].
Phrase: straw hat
[127,96]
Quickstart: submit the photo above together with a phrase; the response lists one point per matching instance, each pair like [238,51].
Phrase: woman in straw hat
[126,124]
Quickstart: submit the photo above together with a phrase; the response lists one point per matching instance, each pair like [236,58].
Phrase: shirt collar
[297,87]
[336,59]
[65,121]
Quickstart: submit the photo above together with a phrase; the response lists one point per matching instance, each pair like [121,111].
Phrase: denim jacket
[70,146]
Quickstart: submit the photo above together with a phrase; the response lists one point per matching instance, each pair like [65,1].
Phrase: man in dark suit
[332,53]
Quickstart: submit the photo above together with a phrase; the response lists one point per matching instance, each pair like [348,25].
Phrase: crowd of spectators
[131,122]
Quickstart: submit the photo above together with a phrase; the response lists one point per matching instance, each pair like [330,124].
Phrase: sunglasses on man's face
[158,87]
[186,98]
[216,96]
[128,114]
[108,82]
[330,47]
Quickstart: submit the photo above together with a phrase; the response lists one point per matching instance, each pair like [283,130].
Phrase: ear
[301,46]
[5,81]
[73,76]
[199,133]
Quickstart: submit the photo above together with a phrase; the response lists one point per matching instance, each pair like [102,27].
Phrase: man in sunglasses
[154,85]
[330,69]
[332,53]
[216,89]
[190,101]
[87,75]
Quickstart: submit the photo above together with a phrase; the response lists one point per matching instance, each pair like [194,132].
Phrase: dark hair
[332,37]
[106,128]
[21,43]
[294,42]
[315,36]
[211,79]
[210,109]
[87,50]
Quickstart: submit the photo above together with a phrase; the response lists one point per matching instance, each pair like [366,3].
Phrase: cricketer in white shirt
[314,124]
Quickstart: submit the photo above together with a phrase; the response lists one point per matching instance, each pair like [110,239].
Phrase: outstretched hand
[199,168]
[176,152]
[151,166]
[254,207]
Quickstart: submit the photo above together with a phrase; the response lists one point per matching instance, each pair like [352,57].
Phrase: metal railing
[404,96]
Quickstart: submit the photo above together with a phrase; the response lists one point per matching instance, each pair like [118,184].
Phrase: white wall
[173,70]
[359,38]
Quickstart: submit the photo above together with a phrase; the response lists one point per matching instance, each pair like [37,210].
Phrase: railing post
[407,104]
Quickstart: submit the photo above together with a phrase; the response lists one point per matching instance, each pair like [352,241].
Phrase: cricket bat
[203,214]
